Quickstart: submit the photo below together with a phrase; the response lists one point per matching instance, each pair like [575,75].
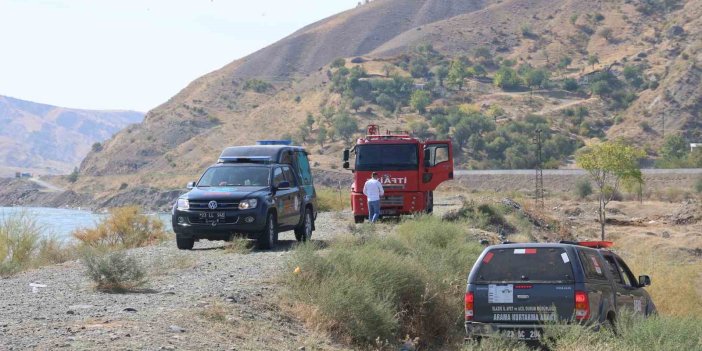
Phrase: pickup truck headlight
[248,204]
[183,204]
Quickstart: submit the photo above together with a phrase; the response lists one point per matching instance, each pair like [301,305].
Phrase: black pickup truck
[514,289]
[257,191]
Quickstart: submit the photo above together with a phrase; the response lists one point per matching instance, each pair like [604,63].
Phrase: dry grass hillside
[43,139]
[648,49]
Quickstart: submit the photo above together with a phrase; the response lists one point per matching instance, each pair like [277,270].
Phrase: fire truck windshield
[387,157]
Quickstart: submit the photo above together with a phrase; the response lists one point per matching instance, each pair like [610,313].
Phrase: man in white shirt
[373,190]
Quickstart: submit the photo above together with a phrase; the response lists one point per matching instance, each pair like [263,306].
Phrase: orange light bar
[596,244]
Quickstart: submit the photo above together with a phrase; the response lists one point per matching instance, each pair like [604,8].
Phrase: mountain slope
[293,78]
[48,139]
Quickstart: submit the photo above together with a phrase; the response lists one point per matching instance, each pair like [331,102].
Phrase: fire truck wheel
[359,219]
[430,202]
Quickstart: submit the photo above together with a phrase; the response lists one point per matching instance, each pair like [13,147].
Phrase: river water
[61,222]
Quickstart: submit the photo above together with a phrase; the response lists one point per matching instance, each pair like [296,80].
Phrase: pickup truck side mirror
[644,280]
[190,185]
[346,155]
[283,185]
[346,165]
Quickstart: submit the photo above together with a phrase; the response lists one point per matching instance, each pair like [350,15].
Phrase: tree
[441,72]
[309,122]
[478,70]
[420,100]
[609,164]
[606,33]
[570,84]
[357,103]
[385,101]
[593,60]
[420,129]
[536,78]
[97,147]
[338,63]
[564,62]
[345,126]
[482,52]
[73,177]
[456,74]
[418,67]
[674,148]
[507,78]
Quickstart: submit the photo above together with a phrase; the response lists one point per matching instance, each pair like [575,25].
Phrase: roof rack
[244,159]
[591,244]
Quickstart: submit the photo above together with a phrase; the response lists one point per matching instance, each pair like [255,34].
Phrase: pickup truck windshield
[235,176]
[538,264]
[387,157]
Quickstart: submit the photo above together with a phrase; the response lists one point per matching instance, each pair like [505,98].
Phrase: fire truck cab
[409,169]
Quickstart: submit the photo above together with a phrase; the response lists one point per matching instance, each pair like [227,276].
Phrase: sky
[129,54]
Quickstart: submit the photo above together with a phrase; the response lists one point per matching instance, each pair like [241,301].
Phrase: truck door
[437,164]
[622,284]
[293,199]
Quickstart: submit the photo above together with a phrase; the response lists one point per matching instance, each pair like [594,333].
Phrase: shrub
[19,237]
[329,199]
[73,177]
[113,272]
[420,100]
[126,227]
[583,188]
[570,84]
[257,85]
[507,78]
[380,288]
[23,246]
[338,62]
[239,246]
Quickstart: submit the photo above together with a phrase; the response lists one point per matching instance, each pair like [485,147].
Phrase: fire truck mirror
[346,165]
[346,156]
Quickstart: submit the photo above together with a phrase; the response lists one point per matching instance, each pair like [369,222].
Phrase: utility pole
[539,176]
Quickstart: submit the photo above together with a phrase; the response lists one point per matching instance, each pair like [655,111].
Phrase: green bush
[634,333]
[329,199]
[19,238]
[113,272]
[583,188]
[126,227]
[257,85]
[370,287]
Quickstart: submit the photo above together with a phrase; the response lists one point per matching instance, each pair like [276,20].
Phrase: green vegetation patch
[381,288]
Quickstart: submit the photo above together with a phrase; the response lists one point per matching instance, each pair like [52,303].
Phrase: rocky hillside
[46,139]
[484,73]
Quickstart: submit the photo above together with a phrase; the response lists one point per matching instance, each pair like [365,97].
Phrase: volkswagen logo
[212,205]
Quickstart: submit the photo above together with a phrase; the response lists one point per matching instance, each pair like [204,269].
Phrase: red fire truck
[409,169]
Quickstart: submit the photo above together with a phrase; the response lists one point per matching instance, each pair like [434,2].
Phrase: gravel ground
[209,298]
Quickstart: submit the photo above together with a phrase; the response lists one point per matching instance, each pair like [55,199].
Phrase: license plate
[522,334]
[388,212]
[212,215]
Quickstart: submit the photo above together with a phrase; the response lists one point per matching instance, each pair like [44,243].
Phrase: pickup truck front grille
[221,206]
[209,221]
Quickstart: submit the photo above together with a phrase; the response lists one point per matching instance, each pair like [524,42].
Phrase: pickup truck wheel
[304,231]
[269,236]
[359,219]
[185,243]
